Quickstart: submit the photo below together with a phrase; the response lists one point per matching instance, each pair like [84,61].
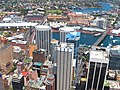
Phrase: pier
[101,38]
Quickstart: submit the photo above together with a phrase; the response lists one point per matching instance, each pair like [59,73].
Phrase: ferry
[56,26]
[97,34]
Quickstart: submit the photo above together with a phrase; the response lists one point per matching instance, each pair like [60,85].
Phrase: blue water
[89,39]
[105,7]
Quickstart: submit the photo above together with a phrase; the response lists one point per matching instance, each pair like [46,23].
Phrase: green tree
[24,12]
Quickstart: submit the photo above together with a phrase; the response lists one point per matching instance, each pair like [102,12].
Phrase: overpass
[101,38]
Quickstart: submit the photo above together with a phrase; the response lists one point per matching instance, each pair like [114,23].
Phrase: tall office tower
[53,44]
[64,57]
[43,37]
[63,32]
[97,71]
[74,37]
[114,63]
[6,58]
[69,35]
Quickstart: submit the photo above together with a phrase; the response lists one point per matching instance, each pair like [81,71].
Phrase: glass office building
[97,71]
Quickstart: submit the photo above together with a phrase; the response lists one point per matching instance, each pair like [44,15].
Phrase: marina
[105,7]
[90,39]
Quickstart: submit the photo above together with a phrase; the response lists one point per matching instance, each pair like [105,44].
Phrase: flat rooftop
[43,27]
[114,85]
[115,53]
[99,56]
[66,47]
[69,29]
[4,47]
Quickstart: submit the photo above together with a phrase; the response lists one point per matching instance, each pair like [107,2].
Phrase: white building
[43,37]
[101,22]
[64,57]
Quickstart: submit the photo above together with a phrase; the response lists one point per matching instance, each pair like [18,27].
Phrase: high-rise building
[63,32]
[69,35]
[64,57]
[114,63]
[97,71]
[54,43]
[74,37]
[6,57]
[43,37]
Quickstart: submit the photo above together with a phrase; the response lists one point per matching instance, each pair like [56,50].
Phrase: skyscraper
[69,35]
[64,57]
[43,37]
[98,65]
[6,57]
[63,32]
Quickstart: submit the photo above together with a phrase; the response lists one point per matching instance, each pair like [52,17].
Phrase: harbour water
[105,7]
[90,39]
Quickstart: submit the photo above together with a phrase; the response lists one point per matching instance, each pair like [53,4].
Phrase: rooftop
[66,47]
[43,27]
[19,42]
[67,29]
[34,17]
[54,41]
[17,24]
[4,47]
[99,56]
[38,64]
[112,84]
[115,53]
[47,63]
[17,49]
[73,36]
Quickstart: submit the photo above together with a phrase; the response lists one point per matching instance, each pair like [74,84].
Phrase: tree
[23,12]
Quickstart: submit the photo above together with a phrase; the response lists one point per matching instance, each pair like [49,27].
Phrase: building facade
[97,71]
[43,37]
[17,82]
[69,35]
[39,56]
[6,57]
[64,57]
[1,83]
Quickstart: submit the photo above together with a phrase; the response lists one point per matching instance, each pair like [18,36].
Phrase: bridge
[30,34]
[101,38]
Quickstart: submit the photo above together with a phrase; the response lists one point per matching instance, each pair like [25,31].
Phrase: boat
[97,34]
[55,26]
[114,41]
